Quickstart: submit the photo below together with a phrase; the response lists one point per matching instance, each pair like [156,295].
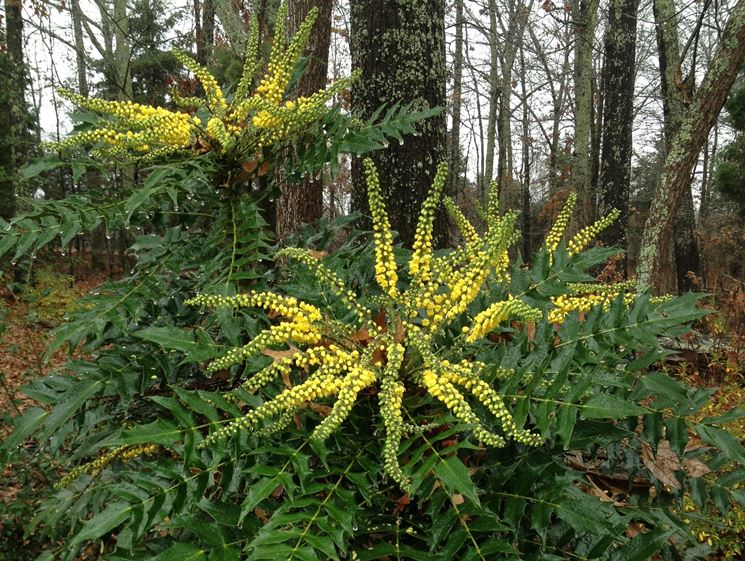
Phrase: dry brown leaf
[317,254]
[664,466]
[249,166]
[634,529]
[279,355]
[457,499]
[379,319]
[399,335]
[402,503]
[695,467]
[361,335]
[262,515]
[322,410]
[263,169]
[530,330]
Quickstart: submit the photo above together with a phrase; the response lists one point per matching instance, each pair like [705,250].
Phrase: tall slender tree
[618,116]
[400,49]
[585,21]
[13,132]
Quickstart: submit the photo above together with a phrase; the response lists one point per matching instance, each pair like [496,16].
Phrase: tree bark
[77,27]
[122,50]
[400,49]
[618,112]
[302,203]
[494,91]
[509,195]
[685,146]
[454,138]
[14,135]
[585,22]
[525,225]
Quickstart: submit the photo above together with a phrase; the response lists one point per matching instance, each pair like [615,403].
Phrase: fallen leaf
[361,335]
[695,468]
[399,335]
[457,499]
[664,466]
[634,529]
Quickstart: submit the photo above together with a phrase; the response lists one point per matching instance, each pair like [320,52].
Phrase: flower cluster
[559,227]
[495,314]
[581,240]
[421,260]
[244,126]
[385,262]
[123,453]
[397,354]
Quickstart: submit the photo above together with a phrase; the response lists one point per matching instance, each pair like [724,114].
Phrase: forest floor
[25,324]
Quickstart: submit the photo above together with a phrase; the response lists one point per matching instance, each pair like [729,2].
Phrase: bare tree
[698,120]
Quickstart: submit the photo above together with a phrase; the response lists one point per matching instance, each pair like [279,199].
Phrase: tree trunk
[685,146]
[14,133]
[454,139]
[400,49]
[509,195]
[525,226]
[494,91]
[77,27]
[302,203]
[585,22]
[122,50]
[618,116]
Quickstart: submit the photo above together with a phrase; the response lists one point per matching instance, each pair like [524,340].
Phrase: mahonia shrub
[375,402]
[378,402]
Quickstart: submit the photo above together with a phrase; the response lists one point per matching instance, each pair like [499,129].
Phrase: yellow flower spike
[251,61]
[96,466]
[354,382]
[582,239]
[486,321]
[492,206]
[317,386]
[493,402]
[562,221]
[215,98]
[420,264]
[328,278]
[390,400]
[464,226]
[385,262]
[441,388]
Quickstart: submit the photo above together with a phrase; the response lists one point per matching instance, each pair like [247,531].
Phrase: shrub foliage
[404,404]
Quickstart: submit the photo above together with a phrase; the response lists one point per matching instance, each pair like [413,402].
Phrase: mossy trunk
[585,22]
[618,111]
[400,49]
[302,202]
[685,146]
[13,131]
